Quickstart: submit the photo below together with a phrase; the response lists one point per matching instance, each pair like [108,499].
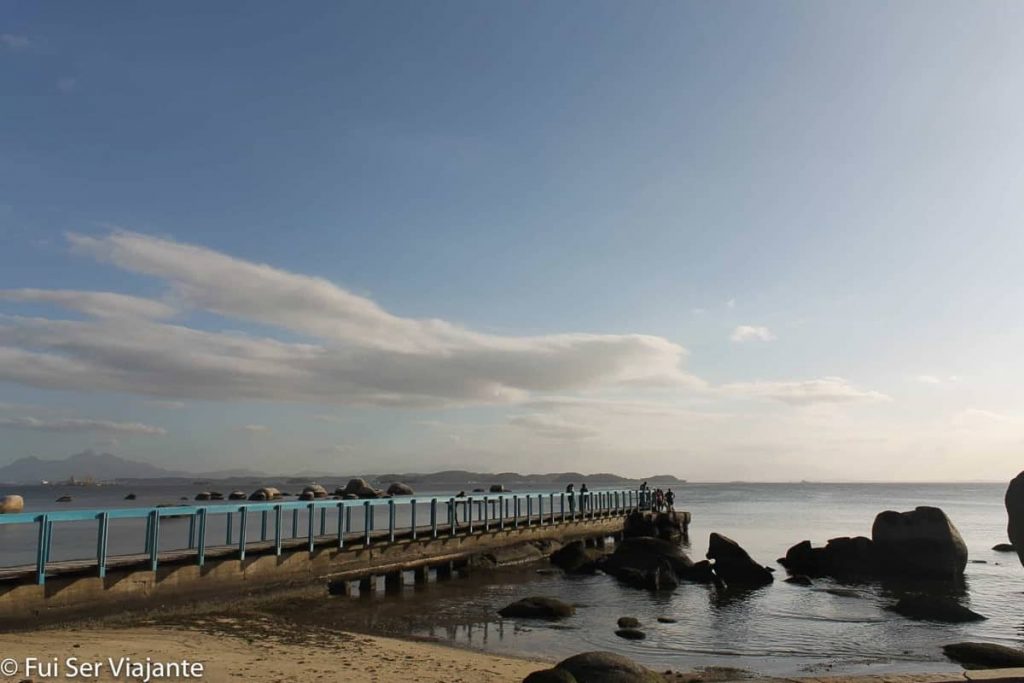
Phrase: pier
[191,552]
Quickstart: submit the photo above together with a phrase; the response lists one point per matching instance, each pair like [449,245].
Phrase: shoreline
[326,655]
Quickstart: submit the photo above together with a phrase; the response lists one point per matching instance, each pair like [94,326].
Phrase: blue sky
[810,212]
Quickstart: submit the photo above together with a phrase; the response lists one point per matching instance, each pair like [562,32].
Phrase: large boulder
[11,504]
[237,495]
[1015,513]
[670,526]
[922,543]
[554,675]
[644,555]
[576,558]
[265,493]
[314,491]
[360,488]
[841,557]
[606,667]
[984,655]
[733,565]
[538,607]
[400,489]
[935,608]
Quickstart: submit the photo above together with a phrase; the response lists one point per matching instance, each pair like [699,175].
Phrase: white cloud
[97,304]
[928,379]
[15,42]
[827,390]
[358,354]
[552,427]
[745,333]
[80,425]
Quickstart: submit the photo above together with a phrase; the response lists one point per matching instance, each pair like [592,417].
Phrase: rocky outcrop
[935,608]
[203,495]
[841,557]
[984,655]
[11,504]
[733,565]
[669,526]
[628,622]
[400,489]
[630,633]
[538,607]
[1015,514]
[265,493]
[237,495]
[360,489]
[596,667]
[654,563]
[1004,548]
[576,558]
[498,488]
[313,491]
[922,543]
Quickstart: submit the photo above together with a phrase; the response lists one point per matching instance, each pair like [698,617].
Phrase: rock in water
[630,633]
[733,565]
[843,557]
[1004,548]
[538,608]
[1015,513]
[400,489]
[984,655]
[11,504]
[629,622]
[605,667]
[935,608]
[922,543]
[576,558]
[313,491]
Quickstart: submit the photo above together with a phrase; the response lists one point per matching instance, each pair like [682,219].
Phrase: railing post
[101,544]
[228,528]
[42,549]
[367,523]
[515,510]
[540,509]
[487,514]
[243,518]
[529,510]
[433,517]
[310,536]
[501,513]
[453,516]
[342,508]
[201,554]
[348,519]
[278,519]
[295,522]
[154,540]
[192,531]
[263,525]
[391,521]
[551,506]
[412,518]
[469,513]
[323,521]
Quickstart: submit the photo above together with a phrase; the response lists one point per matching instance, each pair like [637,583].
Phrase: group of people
[658,500]
[571,493]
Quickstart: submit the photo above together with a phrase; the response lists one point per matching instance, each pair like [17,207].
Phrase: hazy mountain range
[107,467]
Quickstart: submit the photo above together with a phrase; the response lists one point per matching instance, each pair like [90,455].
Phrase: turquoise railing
[479,514]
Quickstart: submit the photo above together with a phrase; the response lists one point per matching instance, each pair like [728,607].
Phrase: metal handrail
[574,506]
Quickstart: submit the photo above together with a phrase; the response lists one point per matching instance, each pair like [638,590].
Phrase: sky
[720,240]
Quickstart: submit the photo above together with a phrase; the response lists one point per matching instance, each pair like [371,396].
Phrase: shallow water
[781,629]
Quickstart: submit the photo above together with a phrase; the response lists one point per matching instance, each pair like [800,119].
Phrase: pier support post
[444,571]
[367,585]
[393,582]
[420,575]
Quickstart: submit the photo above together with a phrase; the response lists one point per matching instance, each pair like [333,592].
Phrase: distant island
[92,467]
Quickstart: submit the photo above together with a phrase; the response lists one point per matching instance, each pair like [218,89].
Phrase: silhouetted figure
[570,492]
[670,500]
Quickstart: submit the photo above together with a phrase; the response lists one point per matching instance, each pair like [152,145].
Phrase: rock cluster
[920,544]
[596,667]
[358,488]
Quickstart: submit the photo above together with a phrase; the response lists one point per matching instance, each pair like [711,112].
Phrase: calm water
[781,629]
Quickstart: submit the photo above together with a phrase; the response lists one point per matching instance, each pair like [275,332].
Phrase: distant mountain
[85,465]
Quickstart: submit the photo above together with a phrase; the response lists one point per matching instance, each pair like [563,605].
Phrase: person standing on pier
[570,492]
[584,497]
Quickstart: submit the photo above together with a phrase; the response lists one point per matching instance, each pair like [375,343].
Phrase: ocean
[781,629]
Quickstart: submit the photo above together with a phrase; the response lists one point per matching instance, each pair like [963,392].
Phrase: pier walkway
[212,549]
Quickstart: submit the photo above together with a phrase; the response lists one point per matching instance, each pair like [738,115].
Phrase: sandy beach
[266,659]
